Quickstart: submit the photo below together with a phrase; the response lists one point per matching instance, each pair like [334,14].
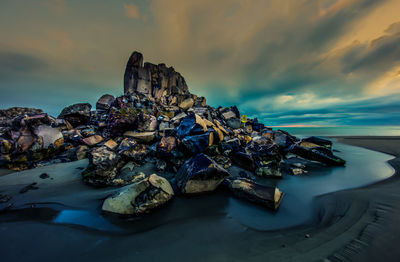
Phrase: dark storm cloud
[14,64]
[294,60]
[381,55]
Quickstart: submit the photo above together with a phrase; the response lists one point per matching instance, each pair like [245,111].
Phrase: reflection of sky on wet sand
[86,219]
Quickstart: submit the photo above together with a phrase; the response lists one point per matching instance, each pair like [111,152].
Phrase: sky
[292,62]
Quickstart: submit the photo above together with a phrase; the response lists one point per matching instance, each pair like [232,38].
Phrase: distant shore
[351,225]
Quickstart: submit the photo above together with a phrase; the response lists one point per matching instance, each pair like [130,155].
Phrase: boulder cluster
[158,121]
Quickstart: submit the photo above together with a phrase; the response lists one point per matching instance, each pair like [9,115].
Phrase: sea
[343,131]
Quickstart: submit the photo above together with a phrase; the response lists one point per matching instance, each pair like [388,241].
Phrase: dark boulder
[229,146]
[317,153]
[77,114]
[131,149]
[105,102]
[200,174]
[103,167]
[197,143]
[192,124]
[244,160]
[246,189]
[283,140]
[120,121]
[166,146]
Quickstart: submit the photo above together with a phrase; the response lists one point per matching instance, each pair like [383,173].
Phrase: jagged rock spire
[157,82]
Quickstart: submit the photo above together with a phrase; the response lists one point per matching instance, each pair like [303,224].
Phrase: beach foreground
[351,225]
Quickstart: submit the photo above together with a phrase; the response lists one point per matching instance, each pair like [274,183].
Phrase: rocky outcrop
[141,197]
[157,82]
[157,122]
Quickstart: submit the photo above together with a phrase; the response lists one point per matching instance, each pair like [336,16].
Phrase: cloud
[132,11]
[294,57]
[13,64]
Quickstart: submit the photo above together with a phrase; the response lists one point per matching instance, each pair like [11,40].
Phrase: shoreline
[372,231]
[352,225]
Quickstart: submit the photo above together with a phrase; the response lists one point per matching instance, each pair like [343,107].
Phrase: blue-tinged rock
[244,160]
[200,174]
[197,143]
[192,124]
[317,153]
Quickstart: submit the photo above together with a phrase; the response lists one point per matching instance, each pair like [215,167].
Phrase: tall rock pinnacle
[157,82]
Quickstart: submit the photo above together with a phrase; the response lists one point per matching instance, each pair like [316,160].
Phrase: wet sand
[355,225]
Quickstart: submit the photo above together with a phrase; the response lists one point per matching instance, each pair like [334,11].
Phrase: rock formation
[157,122]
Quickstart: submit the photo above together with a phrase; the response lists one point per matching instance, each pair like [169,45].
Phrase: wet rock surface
[200,174]
[141,197]
[249,190]
[157,122]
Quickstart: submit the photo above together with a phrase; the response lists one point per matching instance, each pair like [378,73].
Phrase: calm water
[363,167]
[344,131]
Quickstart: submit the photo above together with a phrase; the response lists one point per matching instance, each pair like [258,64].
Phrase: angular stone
[141,197]
[111,144]
[246,189]
[198,143]
[200,174]
[318,153]
[119,122]
[191,125]
[105,102]
[186,104]
[103,167]
[131,149]
[93,140]
[166,146]
[234,123]
[244,160]
[76,114]
[228,115]
[283,139]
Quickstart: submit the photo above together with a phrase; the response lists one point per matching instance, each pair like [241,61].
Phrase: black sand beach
[350,225]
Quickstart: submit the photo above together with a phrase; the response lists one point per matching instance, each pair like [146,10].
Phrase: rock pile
[157,118]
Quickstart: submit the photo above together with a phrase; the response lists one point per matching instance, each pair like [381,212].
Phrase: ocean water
[343,131]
